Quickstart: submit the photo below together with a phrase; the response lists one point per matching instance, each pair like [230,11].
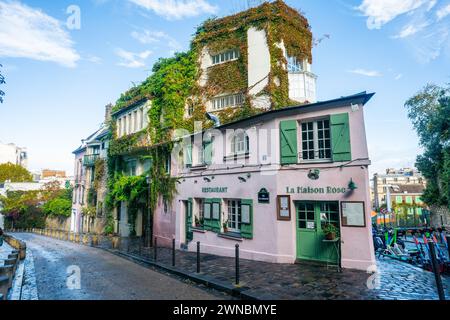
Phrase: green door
[311,218]
[189,233]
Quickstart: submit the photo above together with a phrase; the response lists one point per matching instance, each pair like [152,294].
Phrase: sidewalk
[397,280]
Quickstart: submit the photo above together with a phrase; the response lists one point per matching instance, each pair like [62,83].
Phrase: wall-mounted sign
[353,214]
[263,196]
[310,225]
[284,208]
[215,190]
[318,190]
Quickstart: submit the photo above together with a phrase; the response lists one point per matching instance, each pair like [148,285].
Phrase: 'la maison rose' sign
[319,190]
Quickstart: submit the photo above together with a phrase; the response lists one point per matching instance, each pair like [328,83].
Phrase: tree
[429,111]
[14,173]
[2,81]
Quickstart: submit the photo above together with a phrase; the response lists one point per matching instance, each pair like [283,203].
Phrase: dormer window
[225,56]
[228,101]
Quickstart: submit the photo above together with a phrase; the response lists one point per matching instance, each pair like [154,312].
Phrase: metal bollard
[173,252]
[198,257]
[155,251]
[436,271]
[237,264]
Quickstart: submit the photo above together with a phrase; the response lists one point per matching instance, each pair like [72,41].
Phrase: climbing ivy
[176,85]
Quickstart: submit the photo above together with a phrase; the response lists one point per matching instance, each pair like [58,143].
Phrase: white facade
[13,154]
[302,82]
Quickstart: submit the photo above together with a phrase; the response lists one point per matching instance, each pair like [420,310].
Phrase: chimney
[108,110]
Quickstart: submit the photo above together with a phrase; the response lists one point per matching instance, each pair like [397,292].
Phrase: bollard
[173,252]
[155,251]
[198,257]
[237,264]
[436,271]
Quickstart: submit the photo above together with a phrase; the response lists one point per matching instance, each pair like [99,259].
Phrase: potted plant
[225,226]
[330,231]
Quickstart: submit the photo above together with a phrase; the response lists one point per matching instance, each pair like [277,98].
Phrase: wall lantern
[352,185]
[314,174]
[207,179]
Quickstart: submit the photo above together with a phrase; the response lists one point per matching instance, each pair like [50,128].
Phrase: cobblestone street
[103,275]
[395,280]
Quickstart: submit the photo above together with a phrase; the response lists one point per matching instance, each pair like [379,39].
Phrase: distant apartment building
[391,179]
[13,154]
[89,184]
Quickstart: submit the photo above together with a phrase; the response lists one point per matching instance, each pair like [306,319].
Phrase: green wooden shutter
[207,150]
[340,137]
[216,221]
[399,199]
[189,155]
[189,232]
[247,228]
[207,224]
[288,142]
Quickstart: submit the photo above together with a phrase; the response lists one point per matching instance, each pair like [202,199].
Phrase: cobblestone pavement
[104,276]
[395,280]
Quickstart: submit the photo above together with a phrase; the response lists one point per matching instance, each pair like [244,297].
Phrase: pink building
[274,183]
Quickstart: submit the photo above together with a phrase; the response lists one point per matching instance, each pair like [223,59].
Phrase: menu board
[353,214]
[284,208]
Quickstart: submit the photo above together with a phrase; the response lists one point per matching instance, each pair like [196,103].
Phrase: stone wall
[58,223]
[440,216]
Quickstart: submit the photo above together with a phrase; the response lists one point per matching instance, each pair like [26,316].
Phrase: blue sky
[59,78]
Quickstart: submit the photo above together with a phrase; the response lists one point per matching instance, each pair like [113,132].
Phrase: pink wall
[273,240]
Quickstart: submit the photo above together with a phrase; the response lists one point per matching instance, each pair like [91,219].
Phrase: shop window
[199,216]
[234,215]
[306,218]
[329,214]
[240,143]
[316,140]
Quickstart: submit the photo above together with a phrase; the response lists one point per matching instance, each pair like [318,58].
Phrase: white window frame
[241,146]
[315,139]
[225,56]
[234,218]
[227,101]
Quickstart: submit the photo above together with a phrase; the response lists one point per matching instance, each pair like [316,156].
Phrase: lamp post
[388,201]
[149,213]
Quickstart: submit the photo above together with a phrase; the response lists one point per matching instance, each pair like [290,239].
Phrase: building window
[131,168]
[240,144]
[119,128]
[225,56]
[228,101]
[316,140]
[135,125]
[168,165]
[294,65]
[200,217]
[234,215]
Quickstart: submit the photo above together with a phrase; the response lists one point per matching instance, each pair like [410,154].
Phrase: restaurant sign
[215,190]
[319,190]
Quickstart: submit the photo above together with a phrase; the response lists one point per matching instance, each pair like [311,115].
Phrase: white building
[13,154]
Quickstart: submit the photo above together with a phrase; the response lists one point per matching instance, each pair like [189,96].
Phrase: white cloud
[410,30]
[399,76]
[131,59]
[26,32]
[380,12]
[367,73]
[149,37]
[177,9]
[443,12]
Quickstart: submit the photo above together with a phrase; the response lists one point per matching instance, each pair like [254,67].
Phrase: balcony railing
[89,160]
